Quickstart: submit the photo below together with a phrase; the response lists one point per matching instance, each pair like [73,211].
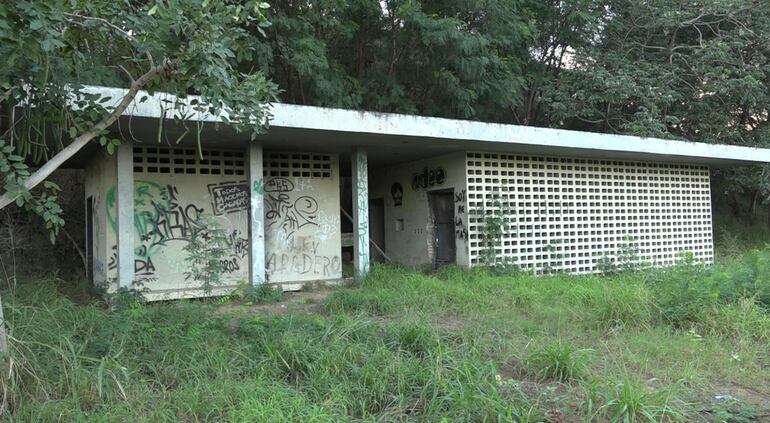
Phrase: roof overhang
[393,138]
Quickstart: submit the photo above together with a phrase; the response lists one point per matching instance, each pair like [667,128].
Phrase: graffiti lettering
[143,264]
[259,186]
[159,218]
[312,264]
[229,197]
[239,245]
[285,214]
[230,265]
[460,231]
[428,178]
[279,185]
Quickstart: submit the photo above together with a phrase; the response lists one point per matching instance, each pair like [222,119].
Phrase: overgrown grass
[460,345]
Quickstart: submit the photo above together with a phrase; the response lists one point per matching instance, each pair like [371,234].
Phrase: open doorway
[90,239]
[441,203]
[377,229]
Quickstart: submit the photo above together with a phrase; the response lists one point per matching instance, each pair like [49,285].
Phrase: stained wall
[409,229]
[99,182]
[177,193]
[302,217]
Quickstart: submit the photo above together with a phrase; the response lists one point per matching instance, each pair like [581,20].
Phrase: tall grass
[459,345]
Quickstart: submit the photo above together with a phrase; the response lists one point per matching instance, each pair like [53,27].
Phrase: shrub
[262,293]
[207,250]
[415,337]
[738,322]
[560,361]
[632,401]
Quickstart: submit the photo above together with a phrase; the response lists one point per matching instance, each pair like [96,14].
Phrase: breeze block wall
[565,214]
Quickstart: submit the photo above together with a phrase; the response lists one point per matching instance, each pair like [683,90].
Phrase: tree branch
[78,143]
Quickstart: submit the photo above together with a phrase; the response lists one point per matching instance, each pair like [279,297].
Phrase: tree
[460,59]
[53,48]
[694,70]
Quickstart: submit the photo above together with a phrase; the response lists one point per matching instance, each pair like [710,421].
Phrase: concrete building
[324,188]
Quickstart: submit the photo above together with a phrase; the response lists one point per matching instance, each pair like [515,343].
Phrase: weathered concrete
[409,229]
[302,217]
[124,203]
[370,130]
[257,216]
[360,170]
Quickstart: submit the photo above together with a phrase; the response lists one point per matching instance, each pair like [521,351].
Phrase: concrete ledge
[309,120]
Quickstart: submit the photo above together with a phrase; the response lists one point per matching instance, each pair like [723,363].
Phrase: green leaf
[73,132]
[152,10]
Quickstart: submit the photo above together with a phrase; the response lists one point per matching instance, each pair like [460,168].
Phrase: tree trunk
[78,143]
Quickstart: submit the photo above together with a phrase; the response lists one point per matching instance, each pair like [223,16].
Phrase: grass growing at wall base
[458,345]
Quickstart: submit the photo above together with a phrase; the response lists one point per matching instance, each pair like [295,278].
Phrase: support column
[360,169]
[124,202]
[257,216]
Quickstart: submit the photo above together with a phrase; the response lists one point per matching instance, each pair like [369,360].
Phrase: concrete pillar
[360,212]
[257,216]
[124,203]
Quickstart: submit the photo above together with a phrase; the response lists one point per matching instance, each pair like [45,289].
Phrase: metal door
[443,214]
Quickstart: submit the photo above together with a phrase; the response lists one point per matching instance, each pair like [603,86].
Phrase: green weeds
[460,345]
[560,361]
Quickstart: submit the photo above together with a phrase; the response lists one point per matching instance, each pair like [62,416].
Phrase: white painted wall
[302,218]
[174,188]
[408,226]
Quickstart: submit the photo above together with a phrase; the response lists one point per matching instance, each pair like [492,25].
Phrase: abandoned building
[325,190]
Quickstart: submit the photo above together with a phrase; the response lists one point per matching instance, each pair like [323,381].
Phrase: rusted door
[443,214]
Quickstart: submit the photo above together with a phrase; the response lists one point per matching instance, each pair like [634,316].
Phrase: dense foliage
[686,69]
[696,70]
[52,48]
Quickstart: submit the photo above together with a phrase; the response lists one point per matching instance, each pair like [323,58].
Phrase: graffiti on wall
[460,230]
[362,197]
[428,178]
[296,228]
[160,219]
[397,192]
[285,213]
[229,197]
[305,258]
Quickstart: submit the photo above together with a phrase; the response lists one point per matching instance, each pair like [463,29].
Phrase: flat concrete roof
[392,138]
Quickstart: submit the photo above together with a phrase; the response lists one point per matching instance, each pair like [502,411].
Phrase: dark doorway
[90,239]
[377,229]
[443,214]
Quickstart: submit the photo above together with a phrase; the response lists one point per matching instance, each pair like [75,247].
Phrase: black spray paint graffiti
[143,265]
[397,192]
[160,218]
[286,214]
[164,220]
[229,197]
[460,231]
[428,178]
[305,259]
[304,264]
